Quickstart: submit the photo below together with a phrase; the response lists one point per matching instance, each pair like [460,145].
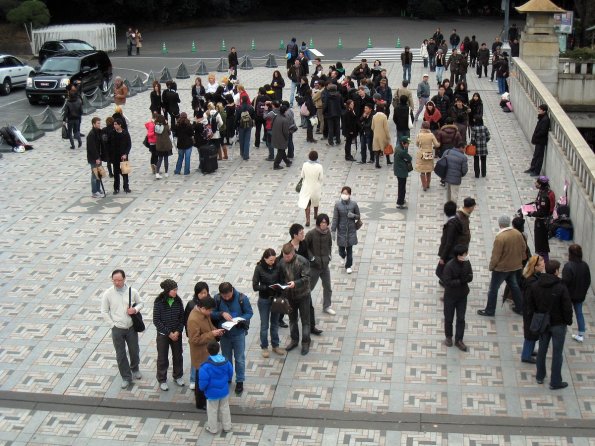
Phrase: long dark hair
[266,254]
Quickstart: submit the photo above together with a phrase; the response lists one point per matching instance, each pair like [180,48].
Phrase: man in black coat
[483,59]
[451,231]
[232,59]
[539,138]
[332,108]
[473,48]
[94,150]
[549,295]
[457,275]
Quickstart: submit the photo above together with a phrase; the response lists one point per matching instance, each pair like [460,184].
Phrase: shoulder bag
[298,186]
[137,318]
[471,149]
[388,150]
[280,304]
[125,167]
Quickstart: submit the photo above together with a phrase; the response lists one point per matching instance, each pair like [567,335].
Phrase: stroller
[12,137]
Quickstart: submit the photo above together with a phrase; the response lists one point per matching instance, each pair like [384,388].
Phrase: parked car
[13,73]
[92,70]
[56,47]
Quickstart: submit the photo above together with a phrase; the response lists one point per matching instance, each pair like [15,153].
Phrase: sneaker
[180,382]
[192,386]
[164,387]
[166,174]
[265,352]
[157,176]
[137,375]
[349,270]
[578,338]
[97,195]
[125,384]
[279,351]
[330,311]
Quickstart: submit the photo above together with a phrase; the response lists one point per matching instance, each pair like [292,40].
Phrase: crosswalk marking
[389,54]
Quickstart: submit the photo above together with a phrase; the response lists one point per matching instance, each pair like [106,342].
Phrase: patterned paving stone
[42,382]
[89,385]
[58,355]
[425,348]
[369,400]
[63,424]
[14,420]
[305,397]
[13,353]
[484,404]
[37,331]
[183,432]
[549,406]
[426,402]
[119,428]
[295,436]
[426,439]
[426,374]
[361,437]
[243,435]
[482,376]
[371,371]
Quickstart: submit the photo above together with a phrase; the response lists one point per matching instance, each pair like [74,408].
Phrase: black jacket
[483,55]
[168,319]
[184,133]
[298,271]
[170,100]
[451,231]
[526,285]
[73,110]
[94,145]
[155,102]
[549,294]
[401,117]
[456,277]
[406,58]
[232,59]
[333,105]
[121,144]
[265,275]
[349,123]
[473,47]
[541,130]
[577,278]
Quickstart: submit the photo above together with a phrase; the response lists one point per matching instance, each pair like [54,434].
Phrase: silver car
[13,73]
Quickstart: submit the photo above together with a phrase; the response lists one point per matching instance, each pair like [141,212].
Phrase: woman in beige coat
[424,159]
[201,331]
[381,134]
[312,175]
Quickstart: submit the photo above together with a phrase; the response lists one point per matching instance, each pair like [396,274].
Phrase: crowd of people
[354,107]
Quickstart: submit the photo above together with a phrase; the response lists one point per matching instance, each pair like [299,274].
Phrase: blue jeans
[233,346]
[557,334]
[292,93]
[264,309]
[244,138]
[439,74]
[580,318]
[501,85]
[183,156]
[497,278]
[407,72]
[365,141]
[192,374]
[73,127]
[432,62]
[95,185]
[528,348]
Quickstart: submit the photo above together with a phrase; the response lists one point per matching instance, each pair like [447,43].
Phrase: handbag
[471,149]
[540,322]
[304,110]
[427,156]
[314,121]
[409,166]
[358,224]
[137,318]
[409,120]
[99,172]
[146,142]
[298,186]
[280,304]
[388,150]
[64,132]
[125,167]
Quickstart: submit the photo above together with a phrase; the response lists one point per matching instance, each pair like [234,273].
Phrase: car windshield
[59,65]
[77,46]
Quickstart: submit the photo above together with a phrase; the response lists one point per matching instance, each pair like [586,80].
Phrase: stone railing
[568,156]
[572,66]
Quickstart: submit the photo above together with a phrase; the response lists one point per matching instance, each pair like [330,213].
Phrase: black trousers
[281,156]
[348,140]
[334,128]
[117,174]
[163,345]
[537,161]
[258,124]
[402,190]
[476,169]
[199,396]
[452,305]
[301,306]
[485,69]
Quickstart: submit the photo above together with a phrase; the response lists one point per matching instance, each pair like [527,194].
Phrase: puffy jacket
[549,294]
[345,226]
[442,103]
[456,277]
[451,231]
[449,136]
[401,117]
[402,158]
[457,166]
[319,248]
[333,105]
[577,278]
[214,377]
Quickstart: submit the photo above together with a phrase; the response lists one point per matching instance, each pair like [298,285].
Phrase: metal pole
[506,7]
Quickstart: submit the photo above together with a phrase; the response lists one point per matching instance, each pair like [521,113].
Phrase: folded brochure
[278,286]
[228,325]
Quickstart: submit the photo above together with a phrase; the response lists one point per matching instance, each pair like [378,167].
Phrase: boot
[309,134]
[388,161]
[315,212]
[428,178]
[224,152]
[377,157]
[220,155]
[308,216]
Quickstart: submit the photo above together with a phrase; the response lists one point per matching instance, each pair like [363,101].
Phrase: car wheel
[5,87]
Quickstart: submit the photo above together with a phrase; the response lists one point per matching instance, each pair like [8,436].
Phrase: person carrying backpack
[244,120]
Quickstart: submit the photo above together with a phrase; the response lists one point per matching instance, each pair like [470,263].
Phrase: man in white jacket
[116,311]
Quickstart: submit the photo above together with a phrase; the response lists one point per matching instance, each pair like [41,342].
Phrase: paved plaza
[379,375]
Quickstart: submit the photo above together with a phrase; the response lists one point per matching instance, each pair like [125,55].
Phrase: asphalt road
[354,33]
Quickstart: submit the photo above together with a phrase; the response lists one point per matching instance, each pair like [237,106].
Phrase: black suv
[53,48]
[92,69]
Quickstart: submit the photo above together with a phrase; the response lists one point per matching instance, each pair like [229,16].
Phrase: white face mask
[344,197]
[464,259]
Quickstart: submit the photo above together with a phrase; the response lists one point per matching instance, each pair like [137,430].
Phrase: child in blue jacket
[214,377]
